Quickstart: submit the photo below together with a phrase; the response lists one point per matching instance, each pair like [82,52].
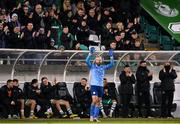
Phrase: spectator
[107,34]
[37,18]
[67,38]
[83,33]
[14,22]
[41,39]
[3,35]
[19,96]
[167,76]
[126,89]
[28,36]
[143,76]
[25,16]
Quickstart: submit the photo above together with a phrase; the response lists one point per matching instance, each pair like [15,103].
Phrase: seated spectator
[84,97]
[9,101]
[138,45]
[19,96]
[109,98]
[79,46]
[63,97]
[67,38]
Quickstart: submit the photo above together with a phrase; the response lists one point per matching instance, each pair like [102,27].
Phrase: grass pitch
[86,121]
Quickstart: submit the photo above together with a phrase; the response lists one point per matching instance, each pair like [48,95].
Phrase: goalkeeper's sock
[92,110]
[96,112]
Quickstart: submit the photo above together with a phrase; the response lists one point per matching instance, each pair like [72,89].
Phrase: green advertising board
[166,13]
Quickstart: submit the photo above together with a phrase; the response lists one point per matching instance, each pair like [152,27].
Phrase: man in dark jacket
[143,76]
[167,76]
[83,95]
[126,89]
[47,91]
[19,96]
[9,100]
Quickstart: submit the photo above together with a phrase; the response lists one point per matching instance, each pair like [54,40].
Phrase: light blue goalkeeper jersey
[98,72]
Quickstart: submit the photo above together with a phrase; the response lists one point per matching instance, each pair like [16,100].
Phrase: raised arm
[111,64]
[88,58]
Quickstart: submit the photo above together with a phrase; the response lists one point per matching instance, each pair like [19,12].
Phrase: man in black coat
[167,76]
[126,89]
[83,95]
[8,99]
[19,96]
[143,76]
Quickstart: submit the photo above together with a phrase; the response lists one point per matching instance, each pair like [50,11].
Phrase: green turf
[86,121]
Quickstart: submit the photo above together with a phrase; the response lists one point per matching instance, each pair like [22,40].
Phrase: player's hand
[12,103]
[111,52]
[150,73]
[92,50]
[87,87]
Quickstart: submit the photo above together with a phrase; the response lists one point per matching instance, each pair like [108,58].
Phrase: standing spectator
[37,18]
[167,76]
[107,34]
[126,89]
[41,40]
[24,16]
[14,39]
[83,33]
[3,35]
[143,76]
[14,22]
[19,96]
[66,38]
[28,36]
[93,21]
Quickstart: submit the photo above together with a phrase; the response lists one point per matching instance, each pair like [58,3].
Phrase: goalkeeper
[97,71]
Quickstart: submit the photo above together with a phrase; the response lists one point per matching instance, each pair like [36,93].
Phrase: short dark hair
[15,80]
[34,81]
[143,61]
[84,79]
[9,81]
[43,78]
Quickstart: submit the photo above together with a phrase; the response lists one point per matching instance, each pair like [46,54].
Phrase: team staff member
[167,76]
[143,76]
[97,74]
[126,89]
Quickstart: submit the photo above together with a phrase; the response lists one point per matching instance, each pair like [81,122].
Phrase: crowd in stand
[67,24]
[52,99]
